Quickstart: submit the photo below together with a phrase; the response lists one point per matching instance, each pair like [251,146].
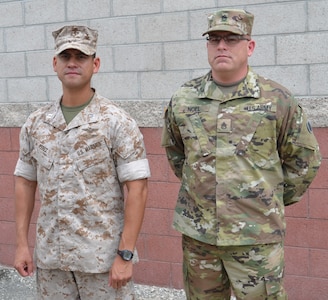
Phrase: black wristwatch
[126,255]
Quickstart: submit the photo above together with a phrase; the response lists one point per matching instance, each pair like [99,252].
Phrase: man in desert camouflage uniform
[80,151]
[243,150]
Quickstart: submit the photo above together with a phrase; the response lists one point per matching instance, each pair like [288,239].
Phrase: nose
[221,44]
[71,62]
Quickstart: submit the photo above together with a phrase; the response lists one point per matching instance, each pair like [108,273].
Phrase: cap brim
[224,28]
[84,49]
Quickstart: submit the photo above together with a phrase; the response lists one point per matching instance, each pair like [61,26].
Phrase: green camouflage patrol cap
[234,20]
[76,37]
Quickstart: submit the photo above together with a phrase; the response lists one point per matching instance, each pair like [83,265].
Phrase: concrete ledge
[146,113]
[150,113]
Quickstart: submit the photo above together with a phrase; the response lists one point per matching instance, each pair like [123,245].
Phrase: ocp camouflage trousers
[251,272]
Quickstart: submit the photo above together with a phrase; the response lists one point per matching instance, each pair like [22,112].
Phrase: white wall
[148,48]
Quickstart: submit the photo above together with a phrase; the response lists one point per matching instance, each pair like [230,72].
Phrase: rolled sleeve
[138,169]
[25,170]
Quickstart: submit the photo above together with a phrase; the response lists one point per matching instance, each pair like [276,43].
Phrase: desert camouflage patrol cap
[234,20]
[76,37]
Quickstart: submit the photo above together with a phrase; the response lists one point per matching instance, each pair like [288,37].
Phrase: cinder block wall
[148,48]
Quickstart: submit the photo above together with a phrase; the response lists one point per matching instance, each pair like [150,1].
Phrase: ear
[250,47]
[96,65]
[54,63]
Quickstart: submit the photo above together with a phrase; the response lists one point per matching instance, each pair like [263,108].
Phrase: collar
[247,88]
[89,114]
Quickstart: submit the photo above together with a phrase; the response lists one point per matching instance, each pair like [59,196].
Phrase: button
[241,152]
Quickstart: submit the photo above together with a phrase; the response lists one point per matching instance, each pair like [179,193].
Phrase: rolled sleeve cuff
[25,170]
[134,170]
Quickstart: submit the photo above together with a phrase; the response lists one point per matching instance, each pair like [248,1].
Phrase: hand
[23,261]
[120,273]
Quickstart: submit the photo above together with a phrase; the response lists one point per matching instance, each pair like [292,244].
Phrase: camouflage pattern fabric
[61,285]
[241,158]
[251,272]
[80,169]
[81,38]
[233,20]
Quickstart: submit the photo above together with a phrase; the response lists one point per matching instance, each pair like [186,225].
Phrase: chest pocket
[44,160]
[195,134]
[95,165]
[247,130]
[258,142]
[201,134]
[92,156]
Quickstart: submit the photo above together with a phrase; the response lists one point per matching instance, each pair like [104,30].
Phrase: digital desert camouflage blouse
[80,169]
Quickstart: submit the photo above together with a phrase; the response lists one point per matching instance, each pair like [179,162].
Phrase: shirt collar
[248,88]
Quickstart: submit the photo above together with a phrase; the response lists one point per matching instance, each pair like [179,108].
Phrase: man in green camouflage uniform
[80,151]
[243,149]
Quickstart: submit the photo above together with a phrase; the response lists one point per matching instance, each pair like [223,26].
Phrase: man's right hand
[23,262]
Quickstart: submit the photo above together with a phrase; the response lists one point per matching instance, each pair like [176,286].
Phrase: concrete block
[277,18]
[164,27]
[106,59]
[44,11]
[198,23]
[317,14]
[264,53]
[3,91]
[12,65]
[115,31]
[27,89]
[302,48]
[24,38]
[173,5]
[2,45]
[117,85]
[54,88]
[294,78]
[161,85]
[199,72]
[39,63]
[185,55]
[241,3]
[139,57]
[91,9]
[132,7]
[11,14]
[318,79]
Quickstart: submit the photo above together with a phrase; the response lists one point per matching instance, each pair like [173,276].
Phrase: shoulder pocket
[306,137]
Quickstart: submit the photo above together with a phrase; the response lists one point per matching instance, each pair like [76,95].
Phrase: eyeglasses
[230,40]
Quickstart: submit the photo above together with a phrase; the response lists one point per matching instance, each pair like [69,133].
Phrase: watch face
[125,254]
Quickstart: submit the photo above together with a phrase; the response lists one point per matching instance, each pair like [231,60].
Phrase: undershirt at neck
[70,112]
[228,88]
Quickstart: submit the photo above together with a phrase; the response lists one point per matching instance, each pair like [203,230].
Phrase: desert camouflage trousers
[62,285]
[250,272]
